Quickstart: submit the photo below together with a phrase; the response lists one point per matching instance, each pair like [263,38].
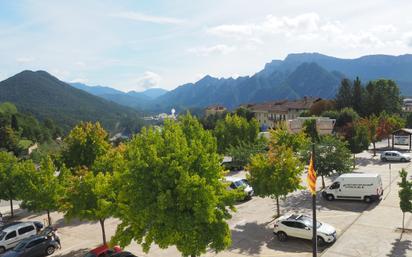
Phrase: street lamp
[324,126]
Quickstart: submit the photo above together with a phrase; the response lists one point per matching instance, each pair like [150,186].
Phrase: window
[290,224]
[35,242]
[300,225]
[11,235]
[26,229]
[335,185]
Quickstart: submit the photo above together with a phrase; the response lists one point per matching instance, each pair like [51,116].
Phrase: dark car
[123,254]
[34,246]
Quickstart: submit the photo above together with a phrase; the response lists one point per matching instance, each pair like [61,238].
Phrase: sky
[139,44]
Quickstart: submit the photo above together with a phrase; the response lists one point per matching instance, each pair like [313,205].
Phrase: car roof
[100,249]
[391,152]
[233,179]
[17,226]
[359,175]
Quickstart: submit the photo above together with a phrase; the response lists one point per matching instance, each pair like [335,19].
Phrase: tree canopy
[174,193]
[275,174]
[85,142]
[234,130]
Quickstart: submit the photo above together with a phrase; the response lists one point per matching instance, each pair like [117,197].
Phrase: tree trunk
[354,161]
[103,231]
[11,208]
[374,148]
[403,222]
[277,206]
[48,217]
[323,181]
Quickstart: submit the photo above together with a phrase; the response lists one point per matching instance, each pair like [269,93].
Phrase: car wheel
[403,160]
[321,241]
[2,249]
[384,159]
[50,250]
[330,197]
[282,237]
[367,199]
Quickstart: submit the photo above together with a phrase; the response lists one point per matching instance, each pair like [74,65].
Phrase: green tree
[358,96]
[84,144]
[359,140]
[9,177]
[42,188]
[309,127]
[298,142]
[344,97]
[174,193]
[234,130]
[90,197]
[383,95]
[332,156]
[405,195]
[275,174]
[241,154]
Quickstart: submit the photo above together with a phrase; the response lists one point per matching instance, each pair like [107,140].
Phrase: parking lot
[363,229]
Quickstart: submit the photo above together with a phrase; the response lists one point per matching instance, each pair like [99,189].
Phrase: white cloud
[209,50]
[147,18]
[25,59]
[79,80]
[148,79]
[408,39]
[309,27]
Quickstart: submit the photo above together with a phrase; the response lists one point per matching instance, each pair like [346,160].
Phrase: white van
[11,236]
[355,186]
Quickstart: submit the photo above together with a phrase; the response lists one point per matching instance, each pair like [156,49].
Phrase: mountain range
[137,100]
[298,75]
[44,96]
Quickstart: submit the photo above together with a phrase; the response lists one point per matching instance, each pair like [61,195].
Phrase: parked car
[103,251]
[395,156]
[355,186]
[239,183]
[123,254]
[38,224]
[300,226]
[12,235]
[34,246]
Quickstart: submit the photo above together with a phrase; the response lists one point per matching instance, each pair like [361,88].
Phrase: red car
[103,251]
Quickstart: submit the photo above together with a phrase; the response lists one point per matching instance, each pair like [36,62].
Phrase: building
[215,109]
[270,113]
[324,125]
[407,105]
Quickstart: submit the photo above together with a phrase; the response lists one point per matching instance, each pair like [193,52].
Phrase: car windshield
[2,234]
[308,221]
[20,246]
[240,183]
[90,255]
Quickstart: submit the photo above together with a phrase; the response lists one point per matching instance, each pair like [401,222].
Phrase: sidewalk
[375,232]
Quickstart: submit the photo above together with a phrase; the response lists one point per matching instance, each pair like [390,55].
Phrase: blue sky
[134,45]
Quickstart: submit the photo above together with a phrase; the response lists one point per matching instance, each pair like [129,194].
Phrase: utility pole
[314,227]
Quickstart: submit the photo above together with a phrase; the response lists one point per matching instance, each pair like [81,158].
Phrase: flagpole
[314,227]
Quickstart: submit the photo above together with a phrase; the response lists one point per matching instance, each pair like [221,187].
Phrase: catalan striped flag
[311,177]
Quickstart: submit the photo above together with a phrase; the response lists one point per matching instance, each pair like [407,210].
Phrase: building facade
[270,113]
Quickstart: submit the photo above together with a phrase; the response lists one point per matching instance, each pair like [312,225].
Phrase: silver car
[395,156]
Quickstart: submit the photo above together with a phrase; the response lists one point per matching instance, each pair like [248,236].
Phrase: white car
[11,236]
[395,156]
[236,183]
[297,225]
